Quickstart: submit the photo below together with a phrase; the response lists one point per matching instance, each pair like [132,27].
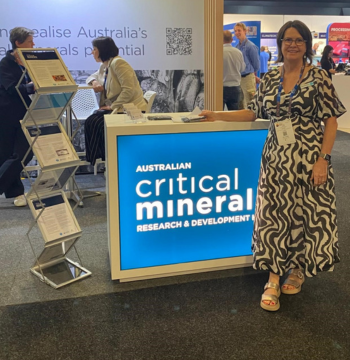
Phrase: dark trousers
[94,130]
[232,95]
[13,147]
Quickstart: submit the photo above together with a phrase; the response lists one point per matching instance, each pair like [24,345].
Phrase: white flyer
[47,68]
[57,219]
[52,146]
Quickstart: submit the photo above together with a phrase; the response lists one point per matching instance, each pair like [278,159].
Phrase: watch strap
[325,156]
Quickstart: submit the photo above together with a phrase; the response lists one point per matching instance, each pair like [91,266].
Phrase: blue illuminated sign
[187,197]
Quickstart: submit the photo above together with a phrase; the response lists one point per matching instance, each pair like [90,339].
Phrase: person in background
[233,66]
[295,226]
[327,62]
[13,143]
[251,59]
[119,86]
[315,48]
[264,59]
[269,52]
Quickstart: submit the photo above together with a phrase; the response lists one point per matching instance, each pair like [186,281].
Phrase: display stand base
[90,193]
[73,195]
[61,273]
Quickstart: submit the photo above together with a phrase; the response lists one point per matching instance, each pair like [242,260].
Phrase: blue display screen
[187,197]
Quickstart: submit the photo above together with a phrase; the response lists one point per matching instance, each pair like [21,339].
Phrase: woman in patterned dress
[295,228]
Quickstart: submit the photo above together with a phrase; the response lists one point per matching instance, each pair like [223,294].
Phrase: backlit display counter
[180,197]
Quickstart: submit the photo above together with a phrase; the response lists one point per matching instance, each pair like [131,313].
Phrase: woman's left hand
[319,172]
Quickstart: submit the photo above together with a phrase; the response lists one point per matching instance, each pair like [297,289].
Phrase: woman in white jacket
[117,82]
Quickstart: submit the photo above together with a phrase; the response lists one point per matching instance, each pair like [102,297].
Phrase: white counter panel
[342,86]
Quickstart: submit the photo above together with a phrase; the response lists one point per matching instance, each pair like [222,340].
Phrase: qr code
[179,41]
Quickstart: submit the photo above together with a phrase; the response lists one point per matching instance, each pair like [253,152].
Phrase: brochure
[52,147]
[57,221]
[47,68]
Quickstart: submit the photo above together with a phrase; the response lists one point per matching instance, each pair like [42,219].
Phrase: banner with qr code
[162,35]
[163,41]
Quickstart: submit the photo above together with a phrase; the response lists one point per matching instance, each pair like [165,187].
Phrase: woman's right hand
[97,86]
[209,115]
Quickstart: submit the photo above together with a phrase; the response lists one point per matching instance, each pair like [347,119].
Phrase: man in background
[252,61]
[315,47]
[264,59]
[233,66]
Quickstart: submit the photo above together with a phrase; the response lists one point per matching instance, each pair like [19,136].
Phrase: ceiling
[288,7]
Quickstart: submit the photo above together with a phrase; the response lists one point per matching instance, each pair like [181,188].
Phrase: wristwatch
[325,156]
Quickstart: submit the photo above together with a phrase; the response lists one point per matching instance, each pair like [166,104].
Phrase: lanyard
[26,76]
[105,82]
[106,73]
[291,94]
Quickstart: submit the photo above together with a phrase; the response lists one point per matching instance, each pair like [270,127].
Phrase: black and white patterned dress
[295,222]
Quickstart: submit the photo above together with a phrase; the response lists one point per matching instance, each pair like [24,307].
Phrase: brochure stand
[52,212]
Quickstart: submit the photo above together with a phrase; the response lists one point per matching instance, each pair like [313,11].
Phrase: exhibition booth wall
[325,29]
[162,40]
[270,24]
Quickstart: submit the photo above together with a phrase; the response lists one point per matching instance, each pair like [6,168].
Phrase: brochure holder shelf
[51,146]
[54,216]
[58,161]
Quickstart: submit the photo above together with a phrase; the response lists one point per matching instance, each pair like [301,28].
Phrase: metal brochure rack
[58,160]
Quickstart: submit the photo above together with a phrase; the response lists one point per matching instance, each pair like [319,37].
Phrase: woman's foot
[269,300]
[20,201]
[292,285]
